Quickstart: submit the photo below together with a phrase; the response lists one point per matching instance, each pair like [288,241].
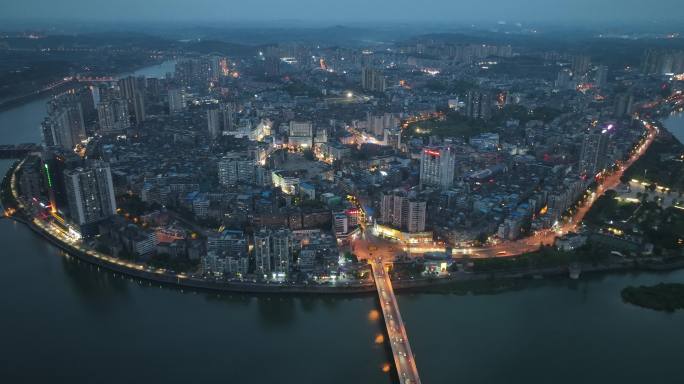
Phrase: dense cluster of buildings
[270,165]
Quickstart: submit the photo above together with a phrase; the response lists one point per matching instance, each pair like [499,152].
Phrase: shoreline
[412,285]
[189,281]
[196,283]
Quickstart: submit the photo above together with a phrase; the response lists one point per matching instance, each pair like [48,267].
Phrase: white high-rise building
[478,104]
[90,193]
[341,223]
[377,124]
[402,212]
[132,90]
[437,167]
[273,251]
[415,216]
[593,156]
[373,80]
[235,168]
[281,242]
[262,252]
[176,101]
[64,126]
[113,115]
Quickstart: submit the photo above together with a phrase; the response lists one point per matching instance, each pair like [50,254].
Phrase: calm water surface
[66,321]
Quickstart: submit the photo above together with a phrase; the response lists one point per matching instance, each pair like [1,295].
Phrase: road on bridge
[404,360]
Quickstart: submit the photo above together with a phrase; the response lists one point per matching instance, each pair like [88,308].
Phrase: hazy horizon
[348,11]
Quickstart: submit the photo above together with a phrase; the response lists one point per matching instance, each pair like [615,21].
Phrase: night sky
[348,10]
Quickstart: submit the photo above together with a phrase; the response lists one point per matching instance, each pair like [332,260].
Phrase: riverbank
[149,273]
[8,199]
[186,281]
[455,279]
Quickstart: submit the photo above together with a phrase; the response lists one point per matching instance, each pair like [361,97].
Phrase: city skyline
[285,193]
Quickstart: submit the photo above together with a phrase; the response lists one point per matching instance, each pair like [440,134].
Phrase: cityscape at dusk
[366,192]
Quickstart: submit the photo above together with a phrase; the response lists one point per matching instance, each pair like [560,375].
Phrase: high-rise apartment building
[55,163]
[235,168]
[593,153]
[373,80]
[233,243]
[478,104]
[377,124]
[581,64]
[214,122]
[229,112]
[437,167]
[262,252]
[176,101]
[273,251]
[138,104]
[64,126]
[227,254]
[132,89]
[113,115]
[340,223]
[90,193]
[661,62]
[402,212]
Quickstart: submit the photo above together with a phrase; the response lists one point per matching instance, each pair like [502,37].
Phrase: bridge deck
[404,360]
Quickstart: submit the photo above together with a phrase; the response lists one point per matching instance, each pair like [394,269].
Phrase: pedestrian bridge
[404,360]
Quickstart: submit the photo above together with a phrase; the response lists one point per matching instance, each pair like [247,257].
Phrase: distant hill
[221,47]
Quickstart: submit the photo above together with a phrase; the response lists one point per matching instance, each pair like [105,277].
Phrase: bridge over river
[404,360]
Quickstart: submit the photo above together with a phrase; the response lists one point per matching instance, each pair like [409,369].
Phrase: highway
[404,360]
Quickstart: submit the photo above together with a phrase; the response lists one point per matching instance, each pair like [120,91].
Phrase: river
[22,124]
[63,320]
